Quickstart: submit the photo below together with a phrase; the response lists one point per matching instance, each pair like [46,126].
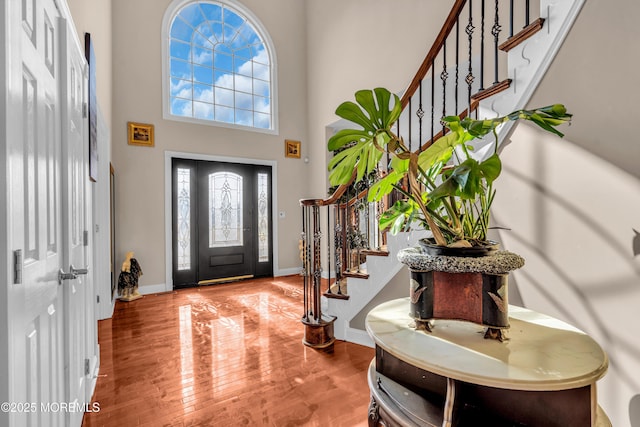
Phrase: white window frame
[170,13]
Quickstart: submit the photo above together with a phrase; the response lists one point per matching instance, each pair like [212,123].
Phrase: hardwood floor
[224,355]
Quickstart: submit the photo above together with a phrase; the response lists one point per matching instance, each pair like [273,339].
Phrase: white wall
[95,18]
[137,97]
[573,204]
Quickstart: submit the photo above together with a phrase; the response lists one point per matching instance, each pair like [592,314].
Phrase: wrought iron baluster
[339,244]
[510,18]
[317,263]
[305,265]
[495,31]
[420,114]
[457,64]
[409,115]
[433,99]
[527,10]
[481,45]
[443,76]
[469,30]
[328,250]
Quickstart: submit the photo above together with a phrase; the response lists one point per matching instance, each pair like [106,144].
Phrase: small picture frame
[140,134]
[292,148]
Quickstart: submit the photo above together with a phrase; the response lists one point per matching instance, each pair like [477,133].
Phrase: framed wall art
[140,134]
[292,148]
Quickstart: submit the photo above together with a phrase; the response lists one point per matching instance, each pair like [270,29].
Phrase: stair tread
[490,91]
[356,274]
[375,252]
[335,295]
[523,35]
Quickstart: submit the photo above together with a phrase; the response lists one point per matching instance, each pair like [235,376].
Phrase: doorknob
[78,271]
[65,276]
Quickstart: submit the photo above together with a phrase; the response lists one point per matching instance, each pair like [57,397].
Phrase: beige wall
[573,204]
[361,44]
[94,17]
[137,95]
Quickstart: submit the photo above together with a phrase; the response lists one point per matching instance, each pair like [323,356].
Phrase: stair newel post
[318,332]
[317,263]
[495,31]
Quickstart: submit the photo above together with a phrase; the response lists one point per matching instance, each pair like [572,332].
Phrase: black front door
[221,223]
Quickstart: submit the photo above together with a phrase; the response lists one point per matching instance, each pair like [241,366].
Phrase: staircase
[487,60]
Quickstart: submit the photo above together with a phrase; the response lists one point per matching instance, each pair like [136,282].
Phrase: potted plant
[448,191]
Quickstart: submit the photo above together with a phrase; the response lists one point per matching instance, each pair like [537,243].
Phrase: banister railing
[351,225]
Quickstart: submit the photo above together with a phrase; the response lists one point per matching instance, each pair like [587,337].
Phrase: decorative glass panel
[225,209]
[263,217]
[218,48]
[184,219]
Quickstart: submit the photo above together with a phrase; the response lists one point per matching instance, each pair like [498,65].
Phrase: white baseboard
[287,271]
[358,336]
[152,289]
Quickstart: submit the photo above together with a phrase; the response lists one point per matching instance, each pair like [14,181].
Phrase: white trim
[168,155]
[287,271]
[152,289]
[358,336]
[169,14]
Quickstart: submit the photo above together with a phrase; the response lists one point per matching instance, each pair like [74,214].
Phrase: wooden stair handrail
[331,200]
[433,52]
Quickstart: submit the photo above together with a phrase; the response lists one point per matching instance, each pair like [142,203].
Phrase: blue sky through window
[219,67]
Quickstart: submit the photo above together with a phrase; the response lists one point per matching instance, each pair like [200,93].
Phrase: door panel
[74,186]
[221,221]
[34,143]
[225,212]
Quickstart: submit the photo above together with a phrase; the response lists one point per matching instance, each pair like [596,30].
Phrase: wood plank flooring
[225,355]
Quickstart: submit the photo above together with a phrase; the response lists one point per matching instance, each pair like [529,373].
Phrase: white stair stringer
[381,270]
[527,64]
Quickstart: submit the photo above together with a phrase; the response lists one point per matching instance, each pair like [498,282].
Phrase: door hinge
[85,238]
[86,367]
[98,299]
[85,107]
[17,267]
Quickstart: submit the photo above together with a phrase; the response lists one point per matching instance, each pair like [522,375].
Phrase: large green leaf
[491,168]
[352,112]
[343,163]
[439,151]
[346,136]
[384,186]
[397,216]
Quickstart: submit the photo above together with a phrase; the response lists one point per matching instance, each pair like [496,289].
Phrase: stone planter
[461,288]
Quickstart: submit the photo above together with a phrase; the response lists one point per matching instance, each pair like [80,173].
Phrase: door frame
[168,156]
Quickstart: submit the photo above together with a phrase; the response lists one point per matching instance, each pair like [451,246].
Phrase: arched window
[218,66]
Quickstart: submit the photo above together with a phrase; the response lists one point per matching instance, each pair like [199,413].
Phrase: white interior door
[35,211]
[77,291]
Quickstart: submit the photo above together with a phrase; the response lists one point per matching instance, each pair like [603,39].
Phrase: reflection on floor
[224,355]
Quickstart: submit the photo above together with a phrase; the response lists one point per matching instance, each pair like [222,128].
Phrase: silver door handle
[65,276]
[78,271]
